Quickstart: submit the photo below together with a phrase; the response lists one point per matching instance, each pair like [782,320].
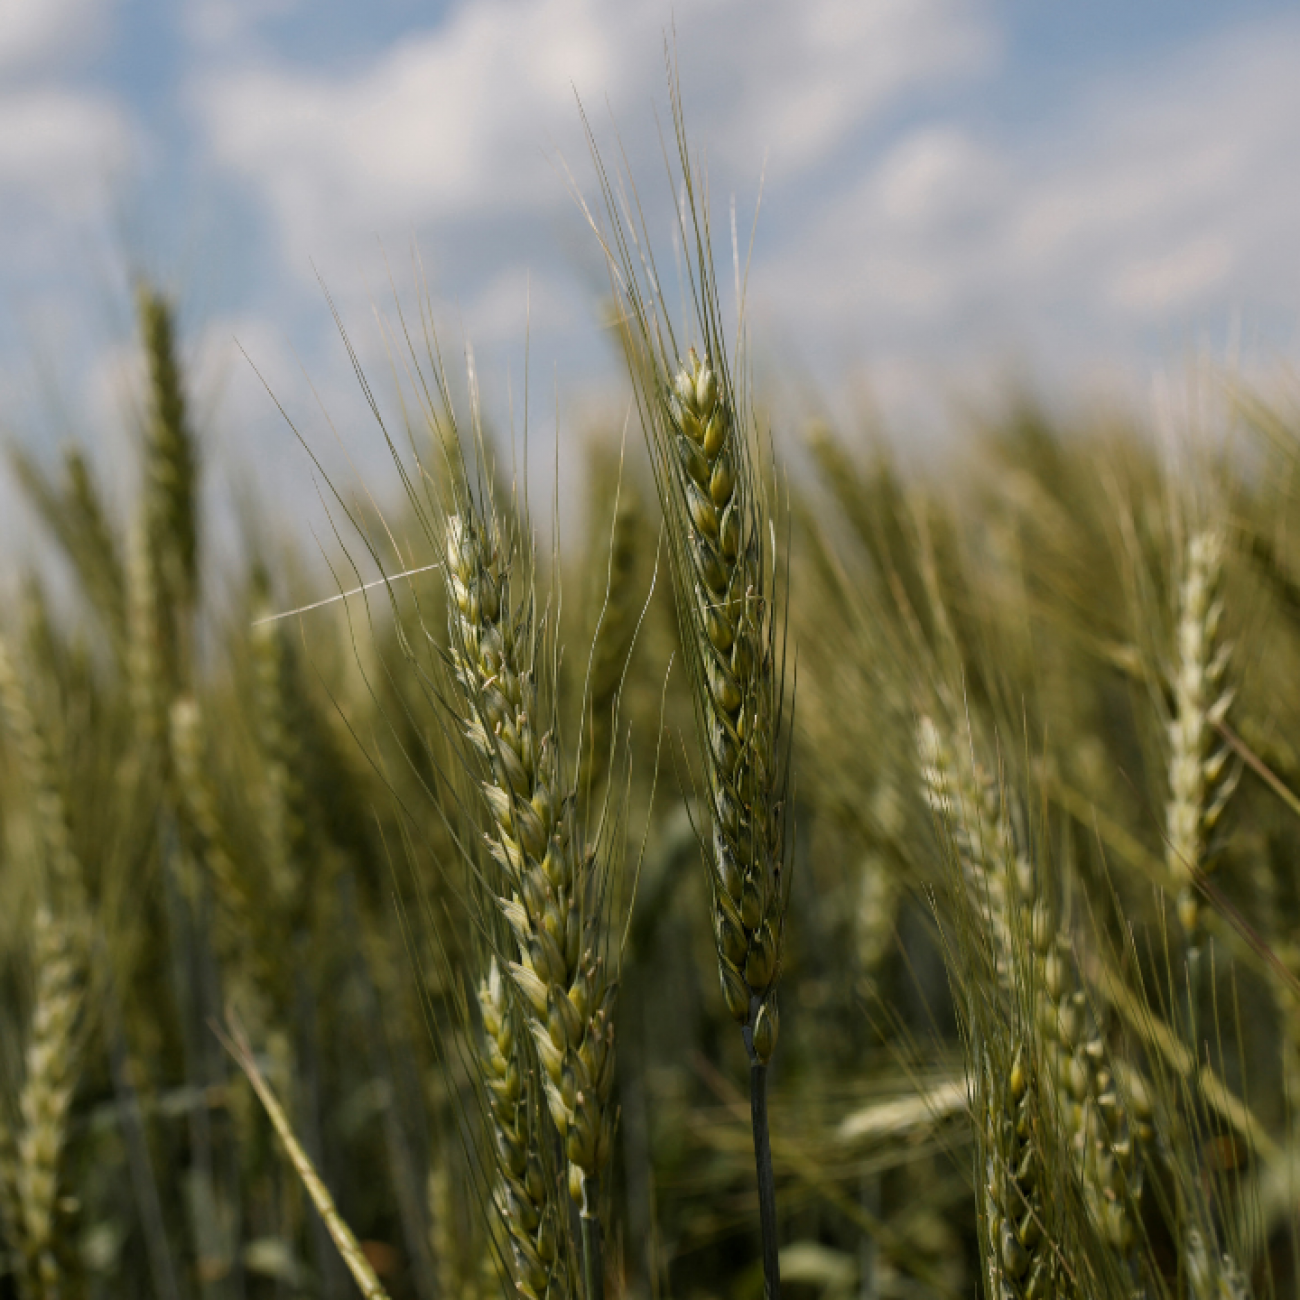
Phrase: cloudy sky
[956,192]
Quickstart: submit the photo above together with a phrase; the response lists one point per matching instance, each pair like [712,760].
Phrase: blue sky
[956,191]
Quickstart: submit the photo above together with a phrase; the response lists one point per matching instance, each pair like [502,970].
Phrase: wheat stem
[593,1257]
[344,1240]
[763,1169]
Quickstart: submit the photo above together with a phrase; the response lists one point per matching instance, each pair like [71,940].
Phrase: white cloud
[456,124]
[36,32]
[798,79]
[1165,199]
[212,24]
[944,246]
[1163,284]
[58,148]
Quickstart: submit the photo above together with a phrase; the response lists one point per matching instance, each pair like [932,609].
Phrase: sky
[956,195]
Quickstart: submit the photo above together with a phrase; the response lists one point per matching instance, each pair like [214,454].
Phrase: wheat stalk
[236,1043]
[699,429]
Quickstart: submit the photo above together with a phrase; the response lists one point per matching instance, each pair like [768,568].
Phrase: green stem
[763,1164]
[1195,979]
[593,1259]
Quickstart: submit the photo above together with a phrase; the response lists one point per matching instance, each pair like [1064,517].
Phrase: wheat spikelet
[561,970]
[1213,1276]
[525,1196]
[1200,780]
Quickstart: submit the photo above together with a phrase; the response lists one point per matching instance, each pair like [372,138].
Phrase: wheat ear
[1033,960]
[46,1098]
[551,907]
[250,946]
[171,459]
[728,619]
[1200,778]
[1019,1256]
[48,806]
[145,658]
[60,934]
[614,637]
[74,512]
[284,801]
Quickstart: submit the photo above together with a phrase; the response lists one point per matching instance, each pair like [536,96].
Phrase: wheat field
[868,881]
